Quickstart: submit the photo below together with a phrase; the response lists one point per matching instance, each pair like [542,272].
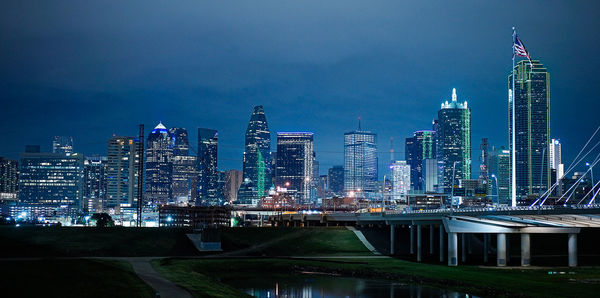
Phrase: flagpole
[513,133]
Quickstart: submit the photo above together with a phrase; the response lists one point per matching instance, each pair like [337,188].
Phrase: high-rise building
[453,143]
[556,158]
[8,179]
[401,174]
[499,170]
[484,171]
[360,162]
[295,156]
[418,148]
[94,183]
[233,180]
[62,145]
[532,127]
[159,166]
[208,192]
[430,175]
[51,179]
[335,180]
[122,172]
[257,158]
[184,167]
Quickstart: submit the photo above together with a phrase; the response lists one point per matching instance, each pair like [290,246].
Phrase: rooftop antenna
[359,123]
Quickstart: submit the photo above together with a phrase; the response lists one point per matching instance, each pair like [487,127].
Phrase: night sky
[91,70]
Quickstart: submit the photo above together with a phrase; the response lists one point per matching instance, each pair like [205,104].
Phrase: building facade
[401,174]
[453,143]
[122,172]
[360,162]
[94,183]
[159,166]
[184,167]
[532,127]
[335,180]
[62,145]
[499,170]
[233,181]
[295,156]
[419,147]
[51,179]
[208,176]
[8,179]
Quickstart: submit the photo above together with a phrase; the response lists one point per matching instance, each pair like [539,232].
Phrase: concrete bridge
[464,222]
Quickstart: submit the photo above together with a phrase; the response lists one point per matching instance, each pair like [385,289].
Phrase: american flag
[521,51]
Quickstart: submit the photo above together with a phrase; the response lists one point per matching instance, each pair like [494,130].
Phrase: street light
[587,164]
[497,189]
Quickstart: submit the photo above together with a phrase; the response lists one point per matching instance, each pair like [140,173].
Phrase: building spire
[359,123]
[453,94]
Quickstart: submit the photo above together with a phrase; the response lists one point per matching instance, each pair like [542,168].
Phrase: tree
[103,220]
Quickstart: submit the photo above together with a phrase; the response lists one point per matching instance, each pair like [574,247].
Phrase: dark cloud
[94,69]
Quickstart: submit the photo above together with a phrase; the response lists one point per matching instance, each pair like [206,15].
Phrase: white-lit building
[400,179]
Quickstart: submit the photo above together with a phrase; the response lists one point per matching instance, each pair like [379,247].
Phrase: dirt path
[164,287]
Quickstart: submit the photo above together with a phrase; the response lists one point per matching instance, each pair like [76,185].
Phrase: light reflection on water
[332,286]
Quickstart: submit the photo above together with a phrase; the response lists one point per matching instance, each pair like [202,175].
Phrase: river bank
[202,277]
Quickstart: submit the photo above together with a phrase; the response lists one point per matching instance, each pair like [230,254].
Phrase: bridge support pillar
[441,242]
[572,250]
[485,248]
[419,243]
[392,239]
[525,250]
[463,247]
[501,250]
[412,239]
[452,249]
[430,239]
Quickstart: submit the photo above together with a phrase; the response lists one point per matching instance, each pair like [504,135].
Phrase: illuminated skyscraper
[360,162]
[295,156]
[8,179]
[257,158]
[51,179]
[159,165]
[62,145]
[335,180]
[401,174]
[122,172]
[208,176]
[184,167]
[499,170]
[418,148]
[556,159]
[453,143]
[532,127]
[94,183]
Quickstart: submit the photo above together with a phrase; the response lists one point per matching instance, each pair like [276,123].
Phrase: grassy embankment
[91,241]
[71,278]
[200,276]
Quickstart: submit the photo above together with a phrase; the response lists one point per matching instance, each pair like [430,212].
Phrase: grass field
[201,277]
[91,241]
[71,278]
[292,242]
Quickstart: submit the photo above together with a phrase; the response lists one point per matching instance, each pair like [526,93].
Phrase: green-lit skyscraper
[532,127]
[453,143]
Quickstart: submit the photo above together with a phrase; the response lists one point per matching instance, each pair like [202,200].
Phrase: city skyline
[379,79]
